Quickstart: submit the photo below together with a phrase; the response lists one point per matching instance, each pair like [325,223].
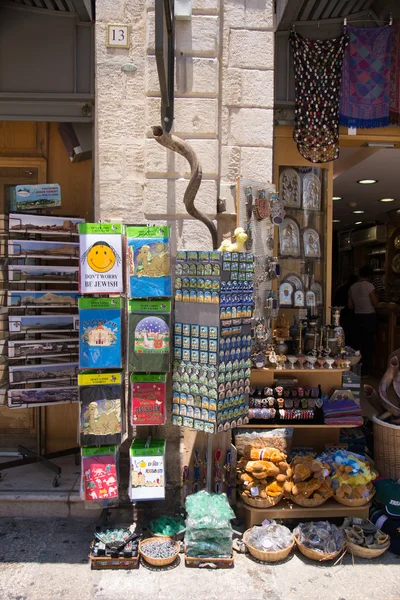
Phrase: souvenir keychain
[227,477]
[262,208]
[185,479]
[218,475]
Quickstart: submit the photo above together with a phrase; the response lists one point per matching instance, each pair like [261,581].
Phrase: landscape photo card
[100,333]
[42,249]
[100,258]
[42,349]
[43,274]
[44,299]
[26,398]
[149,265]
[32,324]
[43,373]
[49,225]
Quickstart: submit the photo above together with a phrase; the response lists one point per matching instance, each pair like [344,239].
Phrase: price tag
[117,36]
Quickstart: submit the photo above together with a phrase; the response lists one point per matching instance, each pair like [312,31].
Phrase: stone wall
[223,107]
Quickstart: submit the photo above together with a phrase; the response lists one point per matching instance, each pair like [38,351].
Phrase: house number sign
[117,36]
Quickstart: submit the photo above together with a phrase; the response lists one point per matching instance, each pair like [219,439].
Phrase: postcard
[42,348]
[100,333]
[39,274]
[100,264]
[149,261]
[42,249]
[50,225]
[42,396]
[45,299]
[33,324]
[39,373]
[38,196]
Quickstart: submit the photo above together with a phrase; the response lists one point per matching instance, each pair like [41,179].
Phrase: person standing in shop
[363,301]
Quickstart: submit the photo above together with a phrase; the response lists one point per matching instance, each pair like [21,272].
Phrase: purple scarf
[364,101]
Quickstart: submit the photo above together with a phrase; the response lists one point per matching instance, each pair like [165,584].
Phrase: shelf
[379,270]
[280,425]
[377,253]
[286,510]
[298,371]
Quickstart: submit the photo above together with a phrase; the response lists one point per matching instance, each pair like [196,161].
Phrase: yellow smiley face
[101,258]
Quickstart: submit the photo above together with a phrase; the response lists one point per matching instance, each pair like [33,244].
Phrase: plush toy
[237,246]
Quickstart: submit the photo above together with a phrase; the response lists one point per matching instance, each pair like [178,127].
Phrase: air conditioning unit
[345,241]
[373,235]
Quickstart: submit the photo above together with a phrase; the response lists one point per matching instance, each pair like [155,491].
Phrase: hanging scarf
[394,108]
[318,74]
[364,101]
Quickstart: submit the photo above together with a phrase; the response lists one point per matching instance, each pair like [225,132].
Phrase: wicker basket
[308,502]
[267,556]
[366,552]
[158,562]
[355,501]
[265,503]
[386,447]
[314,555]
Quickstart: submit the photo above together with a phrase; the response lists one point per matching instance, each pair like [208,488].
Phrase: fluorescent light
[379,145]
[358,222]
[337,198]
[387,200]
[335,220]
[367,181]
[358,212]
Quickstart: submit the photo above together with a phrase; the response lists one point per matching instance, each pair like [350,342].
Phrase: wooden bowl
[314,555]
[262,503]
[158,562]
[267,556]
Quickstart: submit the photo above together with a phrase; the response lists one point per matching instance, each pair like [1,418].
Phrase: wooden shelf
[276,426]
[286,510]
[298,371]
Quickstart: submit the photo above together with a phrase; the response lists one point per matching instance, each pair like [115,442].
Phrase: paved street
[47,559]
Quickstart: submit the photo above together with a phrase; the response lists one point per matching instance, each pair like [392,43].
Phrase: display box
[147,470]
[212,339]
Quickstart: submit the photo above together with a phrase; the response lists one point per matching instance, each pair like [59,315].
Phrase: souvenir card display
[100,333]
[149,268]
[43,396]
[42,249]
[48,225]
[148,398]
[101,418]
[284,403]
[44,299]
[149,336]
[43,274]
[100,262]
[99,474]
[212,346]
[147,470]
[198,276]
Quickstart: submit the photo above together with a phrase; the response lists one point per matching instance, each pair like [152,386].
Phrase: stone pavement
[46,559]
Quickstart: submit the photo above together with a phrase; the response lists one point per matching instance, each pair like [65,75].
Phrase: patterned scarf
[394,113]
[318,74]
[364,101]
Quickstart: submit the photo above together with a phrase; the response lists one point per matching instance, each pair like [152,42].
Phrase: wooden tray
[212,563]
[98,563]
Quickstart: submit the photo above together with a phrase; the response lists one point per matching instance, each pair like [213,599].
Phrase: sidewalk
[47,559]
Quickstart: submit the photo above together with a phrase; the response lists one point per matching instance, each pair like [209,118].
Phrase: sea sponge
[301,472]
[262,468]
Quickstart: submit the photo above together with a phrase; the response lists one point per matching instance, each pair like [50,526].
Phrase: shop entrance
[366,222]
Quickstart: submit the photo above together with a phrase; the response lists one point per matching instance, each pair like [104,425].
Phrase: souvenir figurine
[237,246]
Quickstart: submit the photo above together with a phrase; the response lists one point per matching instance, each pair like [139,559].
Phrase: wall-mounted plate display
[290,188]
[289,238]
[285,294]
[311,192]
[311,243]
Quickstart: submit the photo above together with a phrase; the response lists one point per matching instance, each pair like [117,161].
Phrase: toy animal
[237,246]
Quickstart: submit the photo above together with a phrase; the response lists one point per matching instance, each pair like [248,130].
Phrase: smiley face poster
[100,258]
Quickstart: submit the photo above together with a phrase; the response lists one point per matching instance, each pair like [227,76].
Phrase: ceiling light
[336,221]
[387,200]
[337,198]
[358,222]
[358,212]
[367,181]
[379,145]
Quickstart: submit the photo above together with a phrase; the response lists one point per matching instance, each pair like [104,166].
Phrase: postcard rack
[42,302]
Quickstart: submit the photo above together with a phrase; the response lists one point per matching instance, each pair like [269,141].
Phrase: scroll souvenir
[311,243]
[100,333]
[100,249]
[99,473]
[289,237]
[148,397]
[149,336]
[147,476]
[149,261]
[101,408]
[289,188]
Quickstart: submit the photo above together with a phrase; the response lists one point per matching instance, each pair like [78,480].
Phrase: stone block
[206,6]
[251,49]
[110,11]
[234,13]
[121,200]
[165,197]
[193,117]
[150,32]
[198,36]
[194,77]
[110,163]
[193,235]
[231,87]
[230,162]
[251,126]
[134,161]
[225,117]
[256,163]
[119,121]
[208,153]
[257,88]
[259,14]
